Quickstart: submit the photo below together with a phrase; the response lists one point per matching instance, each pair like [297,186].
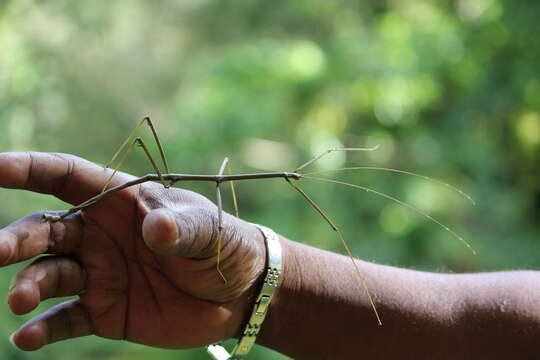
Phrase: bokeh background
[449,89]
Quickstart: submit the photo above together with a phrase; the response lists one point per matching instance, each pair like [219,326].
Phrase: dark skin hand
[143,264]
[142,261]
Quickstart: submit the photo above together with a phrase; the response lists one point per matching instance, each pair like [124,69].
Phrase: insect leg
[93,200]
[148,121]
[220,219]
[359,273]
[233,192]
[140,142]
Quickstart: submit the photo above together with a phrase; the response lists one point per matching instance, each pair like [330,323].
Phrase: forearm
[321,311]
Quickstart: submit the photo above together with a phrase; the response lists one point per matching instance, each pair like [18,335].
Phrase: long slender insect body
[168,179]
[236,177]
[173,179]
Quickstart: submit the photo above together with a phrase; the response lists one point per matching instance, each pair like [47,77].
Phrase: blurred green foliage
[449,89]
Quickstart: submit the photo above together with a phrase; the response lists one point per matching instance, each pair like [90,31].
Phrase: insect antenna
[359,273]
[400,202]
[403,172]
[329,151]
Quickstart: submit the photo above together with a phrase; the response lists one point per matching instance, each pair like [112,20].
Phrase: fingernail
[11,339]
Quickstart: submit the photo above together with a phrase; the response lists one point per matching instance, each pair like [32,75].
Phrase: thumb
[189,233]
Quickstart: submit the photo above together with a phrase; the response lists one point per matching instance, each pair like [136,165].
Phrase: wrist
[250,267]
[272,273]
[278,318]
[249,297]
[319,297]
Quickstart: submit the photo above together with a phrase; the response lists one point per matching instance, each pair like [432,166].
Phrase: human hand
[141,261]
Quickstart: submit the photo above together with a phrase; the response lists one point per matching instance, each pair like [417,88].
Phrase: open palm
[142,261]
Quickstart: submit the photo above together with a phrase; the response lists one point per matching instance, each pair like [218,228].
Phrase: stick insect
[169,179]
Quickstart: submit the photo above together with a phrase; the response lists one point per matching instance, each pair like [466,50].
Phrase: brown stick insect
[169,179]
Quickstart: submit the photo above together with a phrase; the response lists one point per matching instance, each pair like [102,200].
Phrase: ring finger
[48,277]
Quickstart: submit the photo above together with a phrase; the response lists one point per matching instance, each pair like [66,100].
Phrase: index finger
[68,177]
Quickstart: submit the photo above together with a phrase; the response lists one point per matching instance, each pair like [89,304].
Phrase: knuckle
[70,161]
[7,253]
[196,227]
[199,229]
